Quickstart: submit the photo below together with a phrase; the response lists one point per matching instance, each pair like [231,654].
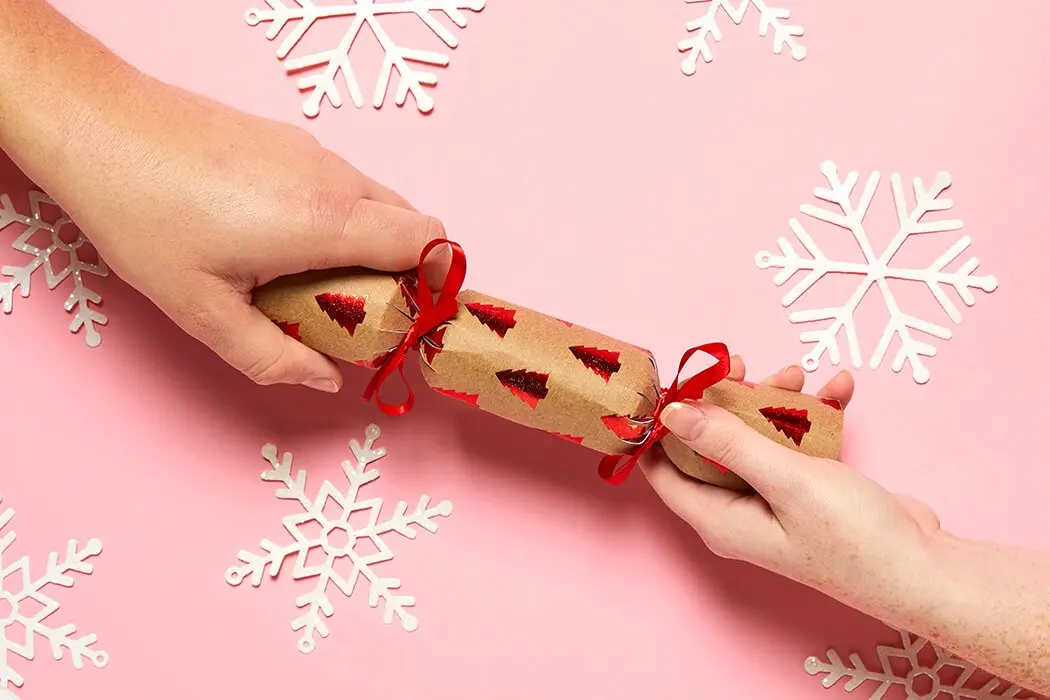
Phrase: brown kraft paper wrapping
[531,368]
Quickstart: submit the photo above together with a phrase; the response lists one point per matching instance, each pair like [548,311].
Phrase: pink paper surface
[587,178]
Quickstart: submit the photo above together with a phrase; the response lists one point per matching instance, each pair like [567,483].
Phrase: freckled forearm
[991,606]
[54,78]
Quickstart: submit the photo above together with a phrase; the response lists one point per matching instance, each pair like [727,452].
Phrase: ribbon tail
[614,469]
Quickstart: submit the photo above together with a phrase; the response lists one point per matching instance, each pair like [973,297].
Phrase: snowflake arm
[931,673]
[706,25]
[81,298]
[61,639]
[323,85]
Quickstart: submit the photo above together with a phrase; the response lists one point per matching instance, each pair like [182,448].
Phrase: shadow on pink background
[588,178]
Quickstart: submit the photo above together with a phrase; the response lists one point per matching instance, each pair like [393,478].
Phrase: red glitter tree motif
[570,438]
[625,427]
[409,289]
[289,329]
[604,363]
[471,399]
[834,403]
[435,345]
[348,311]
[792,422]
[530,387]
[497,319]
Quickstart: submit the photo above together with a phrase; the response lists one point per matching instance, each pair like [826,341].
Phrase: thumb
[247,340]
[771,469]
[367,233]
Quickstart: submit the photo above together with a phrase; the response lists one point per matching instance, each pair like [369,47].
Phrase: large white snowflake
[876,270]
[25,607]
[412,65]
[769,17]
[930,673]
[44,242]
[338,540]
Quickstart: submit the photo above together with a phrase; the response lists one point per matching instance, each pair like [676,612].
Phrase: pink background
[587,177]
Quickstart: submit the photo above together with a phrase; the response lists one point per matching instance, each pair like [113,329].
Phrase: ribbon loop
[616,468]
[430,315]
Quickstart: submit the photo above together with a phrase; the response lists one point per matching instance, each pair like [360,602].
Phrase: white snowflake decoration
[27,606]
[17,278]
[343,565]
[411,64]
[768,18]
[876,271]
[945,677]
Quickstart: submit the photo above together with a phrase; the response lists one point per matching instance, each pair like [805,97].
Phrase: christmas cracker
[530,368]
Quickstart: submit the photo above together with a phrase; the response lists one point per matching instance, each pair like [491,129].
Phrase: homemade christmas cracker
[531,368]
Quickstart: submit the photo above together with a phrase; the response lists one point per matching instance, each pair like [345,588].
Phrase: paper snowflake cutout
[338,541]
[60,238]
[411,64]
[931,673]
[707,25]
[876,270]
[26,607]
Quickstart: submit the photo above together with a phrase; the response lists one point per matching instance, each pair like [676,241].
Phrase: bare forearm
[54,81]
[988,604]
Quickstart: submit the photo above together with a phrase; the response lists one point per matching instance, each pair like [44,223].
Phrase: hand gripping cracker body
[531,368]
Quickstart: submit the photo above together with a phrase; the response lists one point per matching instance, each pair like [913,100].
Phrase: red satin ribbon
[614,468]
[431,315]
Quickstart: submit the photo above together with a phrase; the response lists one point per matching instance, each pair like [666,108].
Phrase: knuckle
[330,208]
[264,370]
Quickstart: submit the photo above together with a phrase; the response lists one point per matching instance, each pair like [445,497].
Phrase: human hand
[815,521]
[195,204]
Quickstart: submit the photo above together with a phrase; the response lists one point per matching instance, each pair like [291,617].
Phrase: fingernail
[322,384]
[687,422]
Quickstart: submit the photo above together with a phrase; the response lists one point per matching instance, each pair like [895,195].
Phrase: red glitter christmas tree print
[471,399]
[497,319]
[289,329]
[530,387]
[570,438]
[604,363]
[625,427]
[347,311]
[793,422]
[409,289]
[834,403]
[433,344]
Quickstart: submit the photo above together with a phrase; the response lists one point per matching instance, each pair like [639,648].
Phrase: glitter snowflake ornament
[45,243]
[930,673]
[412,65]
[706,25]
[25,607]
[876,270]
[338,541]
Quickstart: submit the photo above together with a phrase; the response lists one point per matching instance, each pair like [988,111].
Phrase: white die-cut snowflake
[707,25]
[876,270]
[25,605]
[931,673]
[410,64]
[342,566]
[62,236]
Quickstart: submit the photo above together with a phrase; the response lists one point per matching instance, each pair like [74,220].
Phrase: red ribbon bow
[614,468]
[430,315]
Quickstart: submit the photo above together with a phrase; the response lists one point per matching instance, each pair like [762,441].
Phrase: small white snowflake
[876,271]
[25,605]
[337,541]
[60,236]
[707,24]
[931,673]
[359,14]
